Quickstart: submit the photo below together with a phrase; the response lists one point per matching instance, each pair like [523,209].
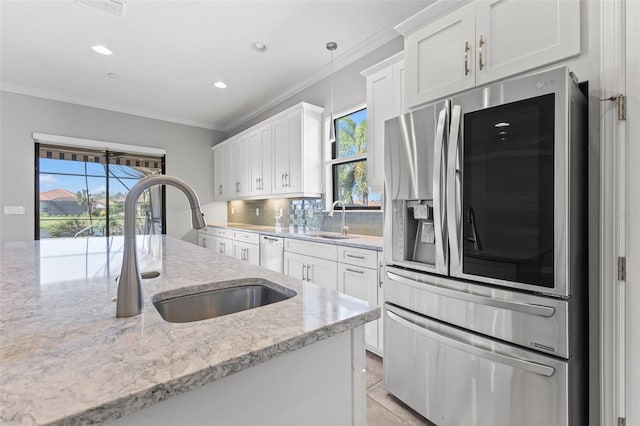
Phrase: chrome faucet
[129,301]
[345,228]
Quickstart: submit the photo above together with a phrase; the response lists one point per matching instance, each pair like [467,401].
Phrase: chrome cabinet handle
[355,271]
[355,257]
[308,269]
[204,242]
[286,180]
[525,308]
[466,57]
[480,46]
[380,275]
[451,194]
[219,189]
[533,367]
[304,268]
[282,180]
[438,204]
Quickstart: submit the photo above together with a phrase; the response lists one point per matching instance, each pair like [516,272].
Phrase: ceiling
[168,54]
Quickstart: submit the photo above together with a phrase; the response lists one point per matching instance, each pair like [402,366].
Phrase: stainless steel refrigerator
[485,252]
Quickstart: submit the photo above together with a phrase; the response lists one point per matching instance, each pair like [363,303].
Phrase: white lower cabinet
[224,246]
[318,271]
[360,275]
[362,283]
[247,252]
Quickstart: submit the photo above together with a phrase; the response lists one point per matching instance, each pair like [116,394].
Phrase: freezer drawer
[535,322]
[453,377]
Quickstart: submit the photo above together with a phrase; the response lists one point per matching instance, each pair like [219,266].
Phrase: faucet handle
[345,230]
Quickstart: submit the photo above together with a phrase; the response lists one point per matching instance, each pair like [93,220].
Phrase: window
[349,162]
[81,192]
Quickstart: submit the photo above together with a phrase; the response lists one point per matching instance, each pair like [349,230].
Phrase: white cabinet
[297,152]
[483,41]
[281,156]
[223,246]
[246,247]
[260,163]
[239,167]
[385,100]
[206,238]
[222,172]
[312,262]
[359,275]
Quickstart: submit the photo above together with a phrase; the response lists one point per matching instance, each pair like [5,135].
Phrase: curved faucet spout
[129,301]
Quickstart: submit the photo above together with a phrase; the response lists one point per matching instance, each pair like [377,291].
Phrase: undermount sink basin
[205,304]
[331,236]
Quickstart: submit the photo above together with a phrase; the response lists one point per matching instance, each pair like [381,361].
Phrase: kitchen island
[66,359]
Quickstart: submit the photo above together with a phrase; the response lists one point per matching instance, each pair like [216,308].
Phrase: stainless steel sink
[205,304]
[331,236]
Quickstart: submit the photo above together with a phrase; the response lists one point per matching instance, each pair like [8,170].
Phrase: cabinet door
[222,172]
[224,246]
[521,35]
[249,253]
[287,153]
[206,241]
[363,284]
[295,265]
[440,57]
[240,167]
[380,107]
[322,272]
[260,161]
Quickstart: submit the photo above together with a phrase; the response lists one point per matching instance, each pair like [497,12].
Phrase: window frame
[331,183]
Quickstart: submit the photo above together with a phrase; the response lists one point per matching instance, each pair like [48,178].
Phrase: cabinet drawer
[359,257]
[323,251]
[248,237]
[223,233]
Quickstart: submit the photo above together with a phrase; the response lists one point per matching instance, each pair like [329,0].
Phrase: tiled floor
[383,409]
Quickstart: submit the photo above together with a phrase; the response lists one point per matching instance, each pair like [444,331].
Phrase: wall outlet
[14,210]
[257,211]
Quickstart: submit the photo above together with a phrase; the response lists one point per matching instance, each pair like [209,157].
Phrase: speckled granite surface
[358,241]
[66,359]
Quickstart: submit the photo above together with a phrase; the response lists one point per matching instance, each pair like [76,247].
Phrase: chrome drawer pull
[353,256]
[526,308]
[354,271]
[533,367]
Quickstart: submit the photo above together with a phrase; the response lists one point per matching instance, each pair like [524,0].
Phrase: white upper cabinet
[222,173]
[385,82]
[519,35]
[260,150]
[240,167]
[440,58]
[280,156]
[483,41]
[297,152]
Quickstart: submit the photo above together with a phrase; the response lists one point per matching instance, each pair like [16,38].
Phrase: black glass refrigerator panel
[508,192]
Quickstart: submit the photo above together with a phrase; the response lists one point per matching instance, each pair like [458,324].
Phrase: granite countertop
[66,359]
[358,241]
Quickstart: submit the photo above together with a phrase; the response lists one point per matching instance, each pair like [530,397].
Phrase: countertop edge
[134,402]
[338,242]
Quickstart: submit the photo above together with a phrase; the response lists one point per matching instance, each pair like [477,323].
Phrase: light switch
[14,210]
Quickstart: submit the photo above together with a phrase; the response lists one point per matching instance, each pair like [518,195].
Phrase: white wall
[189,156]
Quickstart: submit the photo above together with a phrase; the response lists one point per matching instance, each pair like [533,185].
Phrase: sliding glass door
[81,192]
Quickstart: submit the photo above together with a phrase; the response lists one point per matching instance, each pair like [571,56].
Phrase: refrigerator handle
[525,308]
[533,367]
[451,196]
[438,200]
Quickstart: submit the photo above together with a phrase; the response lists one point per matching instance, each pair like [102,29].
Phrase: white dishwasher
[272,253]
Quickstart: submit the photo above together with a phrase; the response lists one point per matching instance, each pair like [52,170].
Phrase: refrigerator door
[512,148]
[415,165]
[453,377]
[534,322]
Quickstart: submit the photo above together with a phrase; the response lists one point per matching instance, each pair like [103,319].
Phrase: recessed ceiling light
[220,84]
[258,46]
[501,124]
[113,75]
[98,48]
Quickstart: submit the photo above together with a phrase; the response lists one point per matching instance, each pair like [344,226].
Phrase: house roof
[57,194]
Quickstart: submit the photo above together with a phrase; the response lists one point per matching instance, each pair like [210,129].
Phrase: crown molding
[45,94]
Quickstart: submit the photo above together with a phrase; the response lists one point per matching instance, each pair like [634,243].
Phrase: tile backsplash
[300,215]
